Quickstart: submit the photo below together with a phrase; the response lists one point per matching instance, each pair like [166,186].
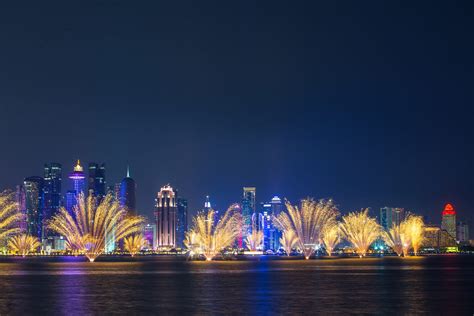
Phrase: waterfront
[144,285]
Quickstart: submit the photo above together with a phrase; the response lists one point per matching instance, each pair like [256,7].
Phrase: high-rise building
[390,216]
[248,208]
[463,232]
[96,180]
[52,190]
[271,235]
[127,194]
[149,232]
[71,200]
[165,216]
[21,204]
[181,221]
[77,177]
[34,202]
[448,221]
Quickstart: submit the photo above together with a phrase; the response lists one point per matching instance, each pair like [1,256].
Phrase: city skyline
[369,111]
[254,204]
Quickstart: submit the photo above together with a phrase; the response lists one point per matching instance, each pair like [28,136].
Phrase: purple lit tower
[78,178]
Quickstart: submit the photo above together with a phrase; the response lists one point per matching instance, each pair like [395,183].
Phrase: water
[166,285]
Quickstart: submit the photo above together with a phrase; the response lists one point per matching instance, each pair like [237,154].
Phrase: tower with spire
[127,194]
[77,177]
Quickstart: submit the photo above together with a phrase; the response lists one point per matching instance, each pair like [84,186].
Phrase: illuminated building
[463,232]
[127,194]
[71,200]
[34,202]
[165,216]
[96,180]
[77,177]
[271,235]
[390,216]
[437,238]
[149,233]
[448,221]
[20,198]
[52,189]
[248,208]
[277,208]
[181,221]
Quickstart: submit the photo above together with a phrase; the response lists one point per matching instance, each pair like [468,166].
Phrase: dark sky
[368,102]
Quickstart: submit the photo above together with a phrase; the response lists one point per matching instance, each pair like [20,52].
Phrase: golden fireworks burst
[307,222]
[9,215]
[134,243]
[23,244]
[89,228]
[360,230]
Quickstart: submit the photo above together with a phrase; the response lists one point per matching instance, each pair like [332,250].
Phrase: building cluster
[450,234]
[40,198]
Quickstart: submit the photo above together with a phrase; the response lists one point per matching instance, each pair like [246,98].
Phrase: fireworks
[416,231]
[89,228]
[307,222]
[288,241]
[9,215]
[23,244]
[393,239]
[208,238]
[331,237]
[134,243]
[361,230]
[255,238]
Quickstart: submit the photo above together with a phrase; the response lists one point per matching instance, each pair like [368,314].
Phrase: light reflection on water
[442,284]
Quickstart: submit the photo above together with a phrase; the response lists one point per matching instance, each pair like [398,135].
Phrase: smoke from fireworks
[307,222]
[360,230]
[89,228]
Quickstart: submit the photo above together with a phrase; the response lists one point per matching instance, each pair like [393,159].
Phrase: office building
[165,217]
[34,203]
[390,216]
[248,208]
[463,232]
[78,179]
[448,220]
[181,221]
[127,194]
[96,180]
[52,190]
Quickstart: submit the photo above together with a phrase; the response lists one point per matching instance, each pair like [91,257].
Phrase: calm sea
[167,285]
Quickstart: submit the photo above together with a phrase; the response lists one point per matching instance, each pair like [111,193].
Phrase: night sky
[368,102]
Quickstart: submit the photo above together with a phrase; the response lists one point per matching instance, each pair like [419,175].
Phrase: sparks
[360,230]
[23,244]
[134,243]
[307,222]
[9,215]
[88,229]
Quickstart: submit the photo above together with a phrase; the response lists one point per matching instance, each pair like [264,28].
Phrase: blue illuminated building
[77,177]
[34,203]
[127,194]
[96,180]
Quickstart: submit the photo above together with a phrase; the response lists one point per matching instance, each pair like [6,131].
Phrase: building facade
[96,180]
[390,216]
[34,203]
[77,178]
[52,190]
[448,220]
[165,217]
[463,232]
[127,194]
[181,221]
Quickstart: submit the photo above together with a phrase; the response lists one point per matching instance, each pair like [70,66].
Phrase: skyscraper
[21,202]
[165,216]
[52,190]
[248,208]
[181,221]
[77,177]
[463,232]
[390,216]
[448,221]
[96,180]
[127,194]
[34,202]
